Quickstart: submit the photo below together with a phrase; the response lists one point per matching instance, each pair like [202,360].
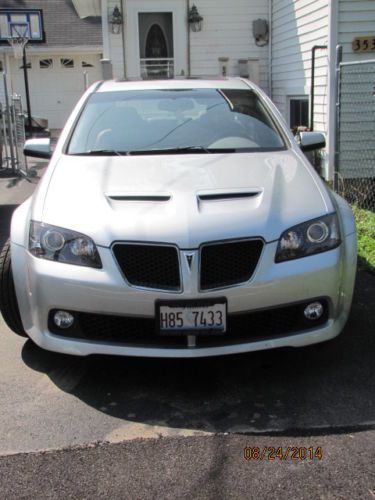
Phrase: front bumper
[42,286]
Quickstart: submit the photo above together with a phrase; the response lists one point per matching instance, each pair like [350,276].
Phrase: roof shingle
[62,25]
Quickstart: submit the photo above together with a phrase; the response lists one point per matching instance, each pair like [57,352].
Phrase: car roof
[185,83]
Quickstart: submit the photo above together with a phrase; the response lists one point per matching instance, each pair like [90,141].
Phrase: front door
[156,45]
[156,39]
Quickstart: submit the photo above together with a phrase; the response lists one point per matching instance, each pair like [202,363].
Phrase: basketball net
[18,44]
[18,39]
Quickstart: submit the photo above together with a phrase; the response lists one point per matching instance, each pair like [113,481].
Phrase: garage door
[56,83]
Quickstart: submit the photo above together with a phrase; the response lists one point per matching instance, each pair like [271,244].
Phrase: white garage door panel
[55,90]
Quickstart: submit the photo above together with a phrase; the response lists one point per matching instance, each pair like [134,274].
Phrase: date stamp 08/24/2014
[272,453]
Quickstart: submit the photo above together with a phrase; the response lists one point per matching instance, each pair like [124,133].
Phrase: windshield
[192,120]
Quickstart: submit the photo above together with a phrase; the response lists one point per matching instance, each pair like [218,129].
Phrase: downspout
[188,39]
[122,9]
[312,96]
[270,48]
[336,161]
[332,84]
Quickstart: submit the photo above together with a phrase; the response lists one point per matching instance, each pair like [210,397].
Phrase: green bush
[365,220]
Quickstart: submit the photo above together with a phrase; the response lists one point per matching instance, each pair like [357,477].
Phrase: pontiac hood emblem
[189,259]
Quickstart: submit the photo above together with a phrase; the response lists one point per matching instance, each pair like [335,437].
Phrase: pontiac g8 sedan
[178,219]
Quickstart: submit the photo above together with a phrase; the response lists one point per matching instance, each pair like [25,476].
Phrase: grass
[365,220]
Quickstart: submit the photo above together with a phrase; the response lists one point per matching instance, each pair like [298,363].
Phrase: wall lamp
[195,19]
[115,21]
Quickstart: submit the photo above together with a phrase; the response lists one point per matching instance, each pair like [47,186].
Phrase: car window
[150,120]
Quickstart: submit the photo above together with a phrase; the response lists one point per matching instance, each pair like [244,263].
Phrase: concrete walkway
[14,189]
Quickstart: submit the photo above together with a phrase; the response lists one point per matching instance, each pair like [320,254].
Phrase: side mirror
[38,148]
[310,141]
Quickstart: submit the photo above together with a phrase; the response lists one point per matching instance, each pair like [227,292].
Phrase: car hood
[183,199]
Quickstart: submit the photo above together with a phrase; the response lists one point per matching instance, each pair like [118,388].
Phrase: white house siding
[227,32]
[355,18]
[298,25]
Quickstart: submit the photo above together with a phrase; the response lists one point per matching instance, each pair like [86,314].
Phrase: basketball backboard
[25,23]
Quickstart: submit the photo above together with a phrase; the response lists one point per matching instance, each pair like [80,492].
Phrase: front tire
[8,300]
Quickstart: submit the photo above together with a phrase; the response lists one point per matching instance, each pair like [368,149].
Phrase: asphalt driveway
[203,410]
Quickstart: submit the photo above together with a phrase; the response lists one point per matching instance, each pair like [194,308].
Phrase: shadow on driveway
[327,388]
[6,212]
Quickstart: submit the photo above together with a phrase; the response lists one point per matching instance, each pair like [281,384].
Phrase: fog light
[313,311]
[63,319]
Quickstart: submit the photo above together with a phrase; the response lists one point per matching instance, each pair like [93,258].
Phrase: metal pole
[337,116]
[122,9]
[85,80]
[9,124]
[5,140]
[29,119]
[14,133]
[188,39]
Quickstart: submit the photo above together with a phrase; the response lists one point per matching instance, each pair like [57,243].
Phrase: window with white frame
[67,62]
[45,63]
[298,111]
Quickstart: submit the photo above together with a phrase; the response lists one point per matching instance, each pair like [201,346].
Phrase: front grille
[230,263]
[242,328]
[149,266]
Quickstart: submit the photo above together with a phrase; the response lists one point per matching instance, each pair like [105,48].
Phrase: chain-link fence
[356,133]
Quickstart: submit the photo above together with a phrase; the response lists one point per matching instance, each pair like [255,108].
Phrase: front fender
[345,213]
[19,230]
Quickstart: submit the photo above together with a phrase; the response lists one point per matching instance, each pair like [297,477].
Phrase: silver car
[178,219]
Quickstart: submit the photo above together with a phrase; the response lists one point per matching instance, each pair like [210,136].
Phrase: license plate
[192,317]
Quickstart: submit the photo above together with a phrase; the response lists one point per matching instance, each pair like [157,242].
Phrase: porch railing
[155,68]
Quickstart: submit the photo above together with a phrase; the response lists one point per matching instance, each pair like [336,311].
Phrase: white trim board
[178,10]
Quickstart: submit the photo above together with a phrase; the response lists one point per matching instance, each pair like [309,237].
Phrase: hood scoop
[228,194]
[147,197]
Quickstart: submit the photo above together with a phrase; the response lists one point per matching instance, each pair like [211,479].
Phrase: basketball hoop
[18,45]
[19,36]
[18,27]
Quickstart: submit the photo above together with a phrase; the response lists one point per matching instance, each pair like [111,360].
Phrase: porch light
[115,21]
[195,19]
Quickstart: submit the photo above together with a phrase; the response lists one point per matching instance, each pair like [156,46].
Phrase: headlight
[308,238]
[62,245]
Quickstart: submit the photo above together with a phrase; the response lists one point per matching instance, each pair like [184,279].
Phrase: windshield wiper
[180,150]
[101,152]
[159,151]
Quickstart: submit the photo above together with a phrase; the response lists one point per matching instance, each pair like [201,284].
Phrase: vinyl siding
[227,32]
[298,25]
[356,18]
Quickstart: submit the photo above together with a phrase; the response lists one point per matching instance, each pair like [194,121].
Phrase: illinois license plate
[192,317]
